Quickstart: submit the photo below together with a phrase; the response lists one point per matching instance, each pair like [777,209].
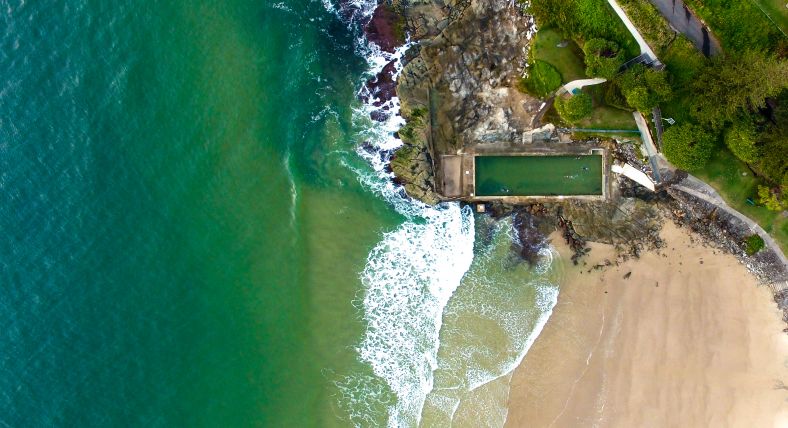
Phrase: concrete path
[635,175]
[644,47]
[708,194]
[683,20]
[580,83]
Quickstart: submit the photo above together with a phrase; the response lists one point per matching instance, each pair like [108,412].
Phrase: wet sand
[687,340]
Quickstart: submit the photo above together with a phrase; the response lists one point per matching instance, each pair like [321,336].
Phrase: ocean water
[192,236]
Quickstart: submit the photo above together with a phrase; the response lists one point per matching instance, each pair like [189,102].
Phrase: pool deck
[458,171]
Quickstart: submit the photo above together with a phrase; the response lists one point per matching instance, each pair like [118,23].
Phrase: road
[685,22]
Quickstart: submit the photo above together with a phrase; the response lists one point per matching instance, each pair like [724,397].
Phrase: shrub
[649,22]
[688,146]
[543,79]
[773,200]
[575,107]
[603,58]
[753,244]
[740,139]
[740,25]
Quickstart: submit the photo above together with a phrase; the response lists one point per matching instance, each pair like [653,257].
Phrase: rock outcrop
[463,71]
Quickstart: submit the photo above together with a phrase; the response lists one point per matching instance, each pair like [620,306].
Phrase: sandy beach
[683,338]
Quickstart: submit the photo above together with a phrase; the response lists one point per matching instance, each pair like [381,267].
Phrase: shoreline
[684,336]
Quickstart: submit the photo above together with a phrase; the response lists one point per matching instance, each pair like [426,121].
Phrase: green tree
[603,58]
[773,154]
[657,83]
[740,139]
[573,108]
[644,88]
[687,146]
[729,86]
[640,98]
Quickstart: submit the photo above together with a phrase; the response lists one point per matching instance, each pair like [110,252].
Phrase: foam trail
[410,274]
[408,280]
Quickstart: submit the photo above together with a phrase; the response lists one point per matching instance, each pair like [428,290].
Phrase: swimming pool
[564,175]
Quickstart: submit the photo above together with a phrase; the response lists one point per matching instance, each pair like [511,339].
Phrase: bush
[649,22]
[543,79]
[753,244]
[688,146]
[603,58]
[773,200]
[740,139]
[575,107]
[740,25]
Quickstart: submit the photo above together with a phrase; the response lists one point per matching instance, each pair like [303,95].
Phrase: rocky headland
[458,88]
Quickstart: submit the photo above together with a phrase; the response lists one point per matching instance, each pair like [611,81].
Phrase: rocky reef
[458,81]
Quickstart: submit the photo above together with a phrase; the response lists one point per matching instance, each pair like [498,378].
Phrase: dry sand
[688,340]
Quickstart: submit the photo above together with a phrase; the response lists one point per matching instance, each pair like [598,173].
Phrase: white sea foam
[410,277]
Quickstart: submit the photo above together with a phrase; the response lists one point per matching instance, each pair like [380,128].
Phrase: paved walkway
[644,47]
[683,20]
[580,83]
[703,191]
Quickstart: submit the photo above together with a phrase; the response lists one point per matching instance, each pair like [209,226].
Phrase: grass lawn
[568,60]
[605,116]
[740,24]
[602,117]
[776,10]
[727,175]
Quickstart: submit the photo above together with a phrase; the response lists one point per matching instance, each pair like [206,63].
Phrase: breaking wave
[410,279]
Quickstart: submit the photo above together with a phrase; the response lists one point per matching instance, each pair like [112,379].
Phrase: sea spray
[409,276]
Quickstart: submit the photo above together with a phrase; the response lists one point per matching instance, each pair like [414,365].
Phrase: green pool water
[538,175]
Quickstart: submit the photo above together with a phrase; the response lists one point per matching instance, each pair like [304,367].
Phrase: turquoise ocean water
[193,238]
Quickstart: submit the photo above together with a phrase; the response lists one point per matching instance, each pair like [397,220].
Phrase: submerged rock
[531,236]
